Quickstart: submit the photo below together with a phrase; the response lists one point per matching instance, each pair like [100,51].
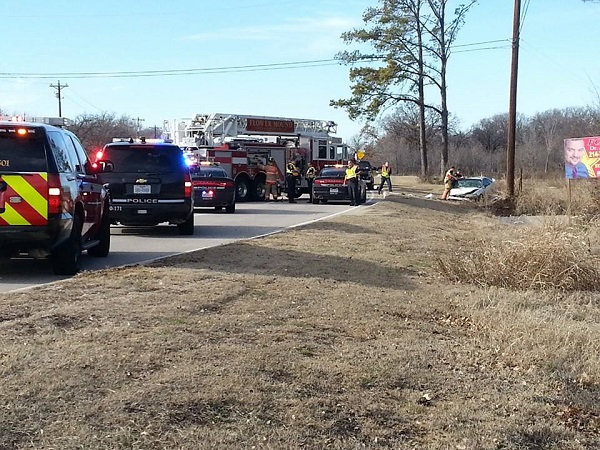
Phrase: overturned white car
[471,188]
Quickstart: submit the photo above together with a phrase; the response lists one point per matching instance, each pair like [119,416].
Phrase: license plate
[334,191]
[141,189]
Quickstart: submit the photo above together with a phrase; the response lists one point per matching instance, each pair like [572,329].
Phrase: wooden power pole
[58,88]
[512,110]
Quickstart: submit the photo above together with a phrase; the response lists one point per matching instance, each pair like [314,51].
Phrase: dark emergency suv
[366,173]
[149,184]
[213,188]
[329,185]
[52,203]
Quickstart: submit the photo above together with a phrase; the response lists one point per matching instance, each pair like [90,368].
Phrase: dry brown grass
[552,197]
[551,257]
[339,335]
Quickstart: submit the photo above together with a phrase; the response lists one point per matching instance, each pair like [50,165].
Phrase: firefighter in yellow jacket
[291,175]
[351,179]
[310,175]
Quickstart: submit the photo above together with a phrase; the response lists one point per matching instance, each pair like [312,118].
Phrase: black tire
[258,189]
[218,208]
[65,259]
[315,201]
[370,186]
[230,209]
[103,248]
[363,197]
[323,200]
[242,190]
[186,228]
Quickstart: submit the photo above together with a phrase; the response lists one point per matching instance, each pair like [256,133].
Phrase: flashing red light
[99,154]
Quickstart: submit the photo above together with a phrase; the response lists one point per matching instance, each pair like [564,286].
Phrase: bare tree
[96,130]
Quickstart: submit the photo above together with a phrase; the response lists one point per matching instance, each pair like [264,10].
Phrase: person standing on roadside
[448,181]
[351,179]
[310,175]
[291,174]
[385,173]
[272,177]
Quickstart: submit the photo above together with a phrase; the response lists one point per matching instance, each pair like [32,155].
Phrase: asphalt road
[138,245]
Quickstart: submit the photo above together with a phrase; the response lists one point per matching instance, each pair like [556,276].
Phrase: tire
[370,186]
[323,200]
[242,190]
[65,259]
[186,228]
[258,189]
[315,201]
[103,248]
[363,197]
[230,209]
[218,208]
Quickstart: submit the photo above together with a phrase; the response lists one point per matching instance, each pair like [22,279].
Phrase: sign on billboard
[582,157]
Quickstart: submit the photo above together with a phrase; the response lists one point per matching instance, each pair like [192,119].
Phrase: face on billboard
[574,151]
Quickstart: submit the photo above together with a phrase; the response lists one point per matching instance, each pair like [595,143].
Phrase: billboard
[582,157]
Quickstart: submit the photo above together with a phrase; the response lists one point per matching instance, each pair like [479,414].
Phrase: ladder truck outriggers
[241,144]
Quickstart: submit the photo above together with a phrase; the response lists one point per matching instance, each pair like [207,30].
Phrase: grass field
[357,332]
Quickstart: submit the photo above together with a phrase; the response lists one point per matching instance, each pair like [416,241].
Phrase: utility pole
[138,120]
[58,88]
[512,110]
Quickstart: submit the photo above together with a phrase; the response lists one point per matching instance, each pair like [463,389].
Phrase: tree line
[481,149]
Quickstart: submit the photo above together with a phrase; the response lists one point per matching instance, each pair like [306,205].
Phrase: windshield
[22,153]
[365,165]
[146,158]
[207,172]
[468,183]
[333,172]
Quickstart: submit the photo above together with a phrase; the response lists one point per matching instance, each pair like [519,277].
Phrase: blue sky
[558,67]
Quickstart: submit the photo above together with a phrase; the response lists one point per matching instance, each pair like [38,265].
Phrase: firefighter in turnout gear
[448,181]
[351,179]
[272,177]
[291,174]
[310,175]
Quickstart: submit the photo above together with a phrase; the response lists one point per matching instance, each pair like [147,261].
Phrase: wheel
[65,259]
[258,189]
[103,247]
[315,201]
[230,209]
[187,228]
[363,197]
[370,186]
[323,200]
[242,191]
[218,208]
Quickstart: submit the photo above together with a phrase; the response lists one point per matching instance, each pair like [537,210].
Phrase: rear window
[145,158]
[208,172]
[365,165]
[22,153]
[333,173]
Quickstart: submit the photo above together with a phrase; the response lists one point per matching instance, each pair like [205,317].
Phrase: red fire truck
[242,145]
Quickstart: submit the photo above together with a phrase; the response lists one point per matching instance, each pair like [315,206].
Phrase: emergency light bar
[142,140]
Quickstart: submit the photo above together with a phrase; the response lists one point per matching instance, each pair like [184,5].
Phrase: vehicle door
[91,188]
[75,187]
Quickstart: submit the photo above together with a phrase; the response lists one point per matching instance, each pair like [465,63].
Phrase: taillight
[54,194]
[188,187]
[229,184]
[319,182]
